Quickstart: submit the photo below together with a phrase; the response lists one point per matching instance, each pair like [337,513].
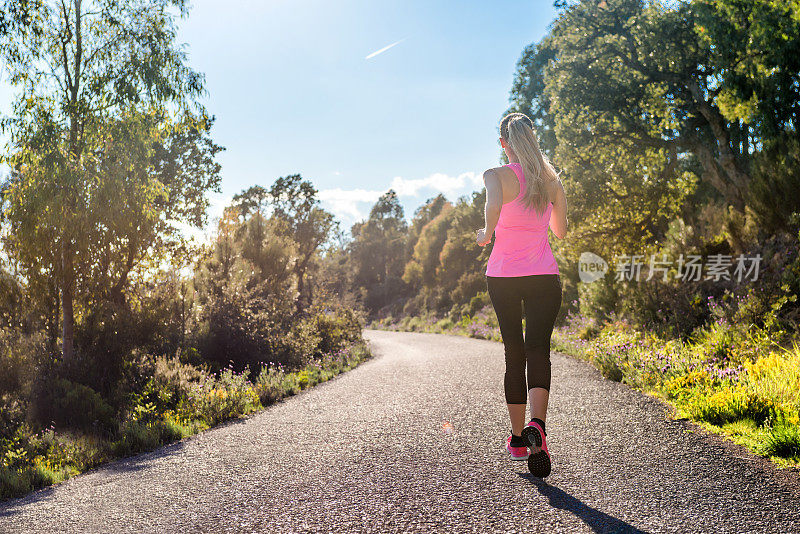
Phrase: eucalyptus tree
[100,132]
[637,99]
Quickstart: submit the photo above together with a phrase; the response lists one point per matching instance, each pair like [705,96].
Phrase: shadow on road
[129,464]
[12,507]
[594,518]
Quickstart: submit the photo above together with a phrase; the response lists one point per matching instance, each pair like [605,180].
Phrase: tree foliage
[638,100]
[254,292]
[376,253]
[298,215]
[98,85]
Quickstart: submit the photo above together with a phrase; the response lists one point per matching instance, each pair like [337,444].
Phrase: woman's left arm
[494,202]
[558,217]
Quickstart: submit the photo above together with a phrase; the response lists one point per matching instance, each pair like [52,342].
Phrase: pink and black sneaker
[538,463]
[517,453]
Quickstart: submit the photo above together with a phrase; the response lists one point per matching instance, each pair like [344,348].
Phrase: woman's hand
[481,237]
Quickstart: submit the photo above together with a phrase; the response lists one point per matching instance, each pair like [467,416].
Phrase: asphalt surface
[367,452]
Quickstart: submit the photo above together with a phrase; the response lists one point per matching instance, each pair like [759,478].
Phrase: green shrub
[783,441]
[15,483]
[30,460]
[12,417]
[607,360]
[110,352]
[776,376]
[271,385]
[444,325]
[776,174]
[302,379]
[74,406]
[274,383]
[600,299]
[772,303]
[139,436]
[171,383]
[336,329]
[217,399]
[479,301]
[19,355]
[415,324]
[730,404]
[136,437]
[589,331]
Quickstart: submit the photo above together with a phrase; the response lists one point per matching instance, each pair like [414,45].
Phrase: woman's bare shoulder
[555,188]
[497,172]
[554,185]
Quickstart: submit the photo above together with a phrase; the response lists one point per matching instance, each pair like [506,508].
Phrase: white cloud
[345,202]
[438,182]
[217,203]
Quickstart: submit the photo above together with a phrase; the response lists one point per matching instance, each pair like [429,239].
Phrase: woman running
[523,198]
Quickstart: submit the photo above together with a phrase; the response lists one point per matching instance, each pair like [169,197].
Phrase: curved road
[366,452]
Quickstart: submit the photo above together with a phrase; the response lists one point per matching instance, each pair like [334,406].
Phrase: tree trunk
[725,167]
[183,318]
[67,267]
[53,316]
[716,178]
[746,140]
[300,289]
[68,317]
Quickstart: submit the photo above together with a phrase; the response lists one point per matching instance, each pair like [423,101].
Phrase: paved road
[366,452]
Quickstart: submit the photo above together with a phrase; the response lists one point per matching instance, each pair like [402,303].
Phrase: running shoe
[517,453]
[539,462]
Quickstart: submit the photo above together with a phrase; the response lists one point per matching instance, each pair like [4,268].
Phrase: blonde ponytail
[517,130]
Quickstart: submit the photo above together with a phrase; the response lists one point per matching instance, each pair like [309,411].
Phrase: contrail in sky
[384,49]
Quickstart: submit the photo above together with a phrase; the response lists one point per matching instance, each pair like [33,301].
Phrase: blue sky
[293,92]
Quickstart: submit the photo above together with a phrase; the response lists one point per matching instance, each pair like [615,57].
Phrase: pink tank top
[521,247]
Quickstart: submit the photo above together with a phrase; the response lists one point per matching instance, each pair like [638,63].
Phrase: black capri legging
[541,296]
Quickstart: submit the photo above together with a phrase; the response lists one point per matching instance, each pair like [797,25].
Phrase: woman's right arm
[491,211]
[558,218]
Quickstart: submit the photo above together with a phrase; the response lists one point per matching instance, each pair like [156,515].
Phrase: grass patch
[783,441]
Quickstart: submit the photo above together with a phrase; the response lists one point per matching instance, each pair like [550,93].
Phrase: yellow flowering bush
[730,404]
[777,376]
[303,379]
[722,375]
[679,386]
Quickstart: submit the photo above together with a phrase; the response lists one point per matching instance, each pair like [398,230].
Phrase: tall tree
[635,97]
[421,270]
[298,215]
[376,253]
[78,63]
[422,216]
